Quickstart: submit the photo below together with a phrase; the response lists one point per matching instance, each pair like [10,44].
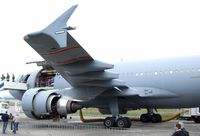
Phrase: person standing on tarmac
[15,124]
[11,121]
[179,131]
[183,128]
[5,118]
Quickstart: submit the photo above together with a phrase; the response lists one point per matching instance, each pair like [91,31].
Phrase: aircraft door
[46,78]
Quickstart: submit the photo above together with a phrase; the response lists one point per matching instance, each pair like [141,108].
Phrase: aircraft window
[171,72]
[132,74]
[146,73]
[25,78]
[176,71]
[141,74]
[161,72]
[155,73]
[165,72]
[136,74]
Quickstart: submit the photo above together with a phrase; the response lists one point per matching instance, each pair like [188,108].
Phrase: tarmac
[74,127]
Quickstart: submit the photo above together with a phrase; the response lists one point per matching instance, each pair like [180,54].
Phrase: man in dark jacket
[179,131]
[183,128]
[5,118]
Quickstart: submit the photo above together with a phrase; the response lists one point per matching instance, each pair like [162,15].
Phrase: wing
[66,55]
[69,58]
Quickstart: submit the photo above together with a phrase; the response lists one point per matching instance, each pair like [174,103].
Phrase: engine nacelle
[41,104]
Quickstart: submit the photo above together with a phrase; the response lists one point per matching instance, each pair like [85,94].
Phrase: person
[178,131]
[13,78]
[5,118]
[183,128]
[11,121]
[15,124]
[7,77]
[2,77]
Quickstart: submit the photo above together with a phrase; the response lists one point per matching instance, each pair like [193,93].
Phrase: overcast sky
[110,30]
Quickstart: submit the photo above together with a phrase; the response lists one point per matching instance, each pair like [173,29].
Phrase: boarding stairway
[5,85]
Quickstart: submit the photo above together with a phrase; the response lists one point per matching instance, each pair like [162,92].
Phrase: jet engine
[45,104]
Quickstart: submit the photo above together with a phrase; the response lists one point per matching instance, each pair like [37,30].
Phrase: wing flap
[105,83]
[102,75]
[147,92]
[82,67]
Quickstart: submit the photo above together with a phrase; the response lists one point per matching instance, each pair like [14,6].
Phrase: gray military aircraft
[84,82]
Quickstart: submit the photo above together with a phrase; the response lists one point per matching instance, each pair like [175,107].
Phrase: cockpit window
[23,78]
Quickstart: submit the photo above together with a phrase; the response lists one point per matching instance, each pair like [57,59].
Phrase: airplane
[72,79]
